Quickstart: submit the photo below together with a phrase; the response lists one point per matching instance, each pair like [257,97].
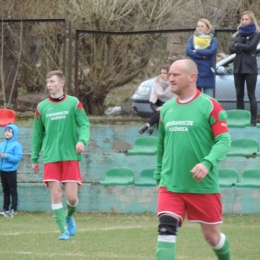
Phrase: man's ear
[193,77]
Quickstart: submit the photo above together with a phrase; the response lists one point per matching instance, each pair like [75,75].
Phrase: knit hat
[9,129]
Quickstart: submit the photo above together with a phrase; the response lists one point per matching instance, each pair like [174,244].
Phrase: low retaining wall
[103,153]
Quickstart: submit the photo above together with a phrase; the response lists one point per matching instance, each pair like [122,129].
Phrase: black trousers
[9,184]
[154,119]
[250,80]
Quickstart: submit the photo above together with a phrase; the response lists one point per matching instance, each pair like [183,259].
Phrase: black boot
[253,123]
[150,130]
[143,129]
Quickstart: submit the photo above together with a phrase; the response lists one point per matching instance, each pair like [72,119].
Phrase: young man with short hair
[61,130]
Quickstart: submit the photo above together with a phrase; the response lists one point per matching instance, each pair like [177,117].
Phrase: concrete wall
[103,153]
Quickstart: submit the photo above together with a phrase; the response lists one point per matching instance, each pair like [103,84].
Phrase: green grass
[118,236]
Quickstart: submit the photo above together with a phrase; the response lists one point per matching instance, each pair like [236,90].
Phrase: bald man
[192,139]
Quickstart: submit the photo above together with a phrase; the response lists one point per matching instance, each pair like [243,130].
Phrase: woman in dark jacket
[202,47]
[245,65]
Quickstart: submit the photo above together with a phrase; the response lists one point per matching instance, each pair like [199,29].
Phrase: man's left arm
[221,144]
[83,124]
[218,152]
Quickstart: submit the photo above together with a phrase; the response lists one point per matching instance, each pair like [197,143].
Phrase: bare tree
[9,67]
[113,60]
[108,61]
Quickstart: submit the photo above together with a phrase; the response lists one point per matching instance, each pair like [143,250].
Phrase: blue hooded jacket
[13,150]
[205,60]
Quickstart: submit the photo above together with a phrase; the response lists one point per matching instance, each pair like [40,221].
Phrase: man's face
[55,85]
[179,78]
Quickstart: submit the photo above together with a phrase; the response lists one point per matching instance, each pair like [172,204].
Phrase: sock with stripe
[59,216]
[71,209]
[166,247]
[222,250]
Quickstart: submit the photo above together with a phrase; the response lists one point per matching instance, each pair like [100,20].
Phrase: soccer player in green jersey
[192,139]
[61,130]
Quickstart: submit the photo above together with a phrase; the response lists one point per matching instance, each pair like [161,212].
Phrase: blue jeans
[207,91]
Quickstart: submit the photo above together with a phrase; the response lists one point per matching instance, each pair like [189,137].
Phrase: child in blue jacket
[11,153]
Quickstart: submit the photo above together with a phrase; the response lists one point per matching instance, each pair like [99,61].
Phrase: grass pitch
[31,236]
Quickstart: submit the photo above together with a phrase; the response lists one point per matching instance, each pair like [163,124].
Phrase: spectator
[245,65]
[160,93]
[11,153]
[202,47]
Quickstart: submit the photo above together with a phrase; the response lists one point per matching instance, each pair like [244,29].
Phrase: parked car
[225,91]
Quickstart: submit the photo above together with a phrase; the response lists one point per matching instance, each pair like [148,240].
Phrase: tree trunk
[93,105]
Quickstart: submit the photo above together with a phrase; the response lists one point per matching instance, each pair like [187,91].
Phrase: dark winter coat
[245,49]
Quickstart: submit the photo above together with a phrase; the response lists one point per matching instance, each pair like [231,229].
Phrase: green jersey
[58,127]
[191,133]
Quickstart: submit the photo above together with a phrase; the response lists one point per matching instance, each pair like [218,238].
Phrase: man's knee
[73,200]
[168,225]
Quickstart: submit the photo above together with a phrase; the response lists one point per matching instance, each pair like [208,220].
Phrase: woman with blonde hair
[245,64]
[201,48]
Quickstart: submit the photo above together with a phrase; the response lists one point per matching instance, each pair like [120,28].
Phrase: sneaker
[65,236]
[5,213]
[71,226]
[12,213]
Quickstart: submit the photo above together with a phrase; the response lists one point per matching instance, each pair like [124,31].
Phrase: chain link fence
[102,61]
[105,57]
[30,48]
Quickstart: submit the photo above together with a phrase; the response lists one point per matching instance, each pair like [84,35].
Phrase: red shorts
[204,208]
[64,171]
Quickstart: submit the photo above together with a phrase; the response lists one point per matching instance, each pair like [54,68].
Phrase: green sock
[70,210]
[59,216]
[165,250]
[223,253]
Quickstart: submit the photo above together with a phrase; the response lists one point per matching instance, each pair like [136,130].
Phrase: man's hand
[36,168]
[80,148]
[199,172]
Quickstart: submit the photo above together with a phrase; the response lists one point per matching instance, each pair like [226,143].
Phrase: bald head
[183,78]
[187,65]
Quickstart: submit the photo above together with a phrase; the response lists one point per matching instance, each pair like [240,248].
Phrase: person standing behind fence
[245,64]
[11,153]
[202,47]
[61,129]
[160,93]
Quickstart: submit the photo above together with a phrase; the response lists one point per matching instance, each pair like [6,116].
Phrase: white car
[225,91]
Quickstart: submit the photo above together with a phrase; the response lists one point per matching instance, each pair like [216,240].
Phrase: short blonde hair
[252,17]
[207,22]
[58,73]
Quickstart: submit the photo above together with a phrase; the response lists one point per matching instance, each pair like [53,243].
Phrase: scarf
[161,90]
[201,40]
[247,30]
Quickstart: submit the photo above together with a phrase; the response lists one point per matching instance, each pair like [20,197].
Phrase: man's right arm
[38,133]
